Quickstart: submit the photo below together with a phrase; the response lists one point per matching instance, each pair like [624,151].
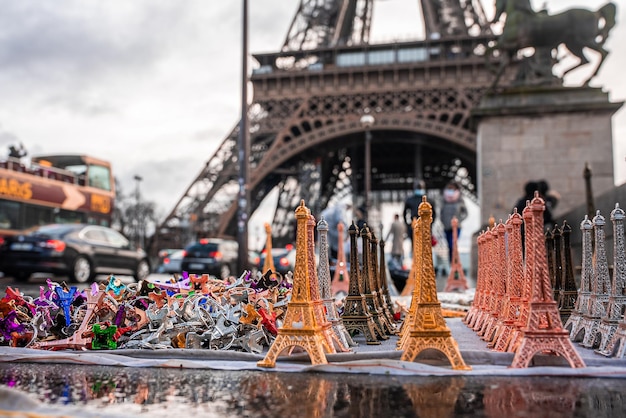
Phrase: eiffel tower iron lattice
[305,131]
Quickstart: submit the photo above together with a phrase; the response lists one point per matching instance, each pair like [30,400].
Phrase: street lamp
[367,121]
[243,145]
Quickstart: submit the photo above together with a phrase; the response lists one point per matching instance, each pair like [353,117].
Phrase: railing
[52,173]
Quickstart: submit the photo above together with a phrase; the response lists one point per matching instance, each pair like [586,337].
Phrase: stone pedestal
[542,133]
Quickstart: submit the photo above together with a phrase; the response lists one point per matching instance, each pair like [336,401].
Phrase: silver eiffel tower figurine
[323,274]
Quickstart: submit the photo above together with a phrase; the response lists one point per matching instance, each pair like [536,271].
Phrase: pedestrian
[333,215]
[453,207]
[412,204]
[398,231]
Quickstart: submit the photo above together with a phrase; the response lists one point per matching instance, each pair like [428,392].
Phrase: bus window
[68,217]
[99,177]
[36,215]
[9,214]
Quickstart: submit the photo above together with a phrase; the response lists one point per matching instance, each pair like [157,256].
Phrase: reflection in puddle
[163,392]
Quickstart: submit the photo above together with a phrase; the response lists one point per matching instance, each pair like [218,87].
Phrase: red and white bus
[55,189]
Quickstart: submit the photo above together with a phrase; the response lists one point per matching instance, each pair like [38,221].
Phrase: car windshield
[204,249]
[176,255]
[53,230]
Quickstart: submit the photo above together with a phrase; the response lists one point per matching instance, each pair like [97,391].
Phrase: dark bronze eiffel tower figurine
[355,316]
[382,275]
[369,288]
[386,316]
[569,291]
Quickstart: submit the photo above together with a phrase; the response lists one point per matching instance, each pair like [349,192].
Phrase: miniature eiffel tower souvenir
[428,329]
[300,327]
[569,290]
[416,272]
[600,287]
[476,308]
[456,279]
[316,299]
[341,336]
[368,288]
[527,282]
[617,298]
[77,341]
[379,301]
[268,264]
[355,316]
[409,285]
[514,281]
[543,331]
[382,275]
[340,285]
[488,297]
[499,286]
[557,237]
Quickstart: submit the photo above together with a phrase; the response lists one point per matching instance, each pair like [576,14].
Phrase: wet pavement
[156,392]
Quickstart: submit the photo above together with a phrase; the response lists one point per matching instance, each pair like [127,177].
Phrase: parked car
[166,252]
[214,256]
[284,259]
[171,263]
[79,251]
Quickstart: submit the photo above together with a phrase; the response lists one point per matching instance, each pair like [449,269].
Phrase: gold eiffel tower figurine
[415,273]
[429,329]
[300,327]
[355,316]
[268,264]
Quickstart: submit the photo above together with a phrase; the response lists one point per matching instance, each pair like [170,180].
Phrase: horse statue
[574,28]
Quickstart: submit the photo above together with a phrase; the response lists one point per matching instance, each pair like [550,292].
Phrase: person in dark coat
[411,206]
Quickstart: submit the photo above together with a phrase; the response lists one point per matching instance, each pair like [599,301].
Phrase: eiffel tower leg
[531,346]
[314,350]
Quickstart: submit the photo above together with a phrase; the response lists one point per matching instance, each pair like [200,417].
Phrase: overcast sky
[154,86]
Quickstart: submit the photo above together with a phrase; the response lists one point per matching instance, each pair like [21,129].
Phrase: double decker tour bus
[55,189]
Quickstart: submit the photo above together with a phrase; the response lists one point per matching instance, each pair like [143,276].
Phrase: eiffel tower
[329,92]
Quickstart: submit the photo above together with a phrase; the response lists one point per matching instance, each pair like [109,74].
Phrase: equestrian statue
[573,28]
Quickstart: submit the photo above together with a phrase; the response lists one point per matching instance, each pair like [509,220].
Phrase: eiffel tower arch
[326,95]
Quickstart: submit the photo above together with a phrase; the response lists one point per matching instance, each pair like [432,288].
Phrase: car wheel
[142,271]
[225,271]
[82,271]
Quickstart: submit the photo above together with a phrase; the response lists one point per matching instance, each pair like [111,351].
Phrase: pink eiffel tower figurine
[543,332]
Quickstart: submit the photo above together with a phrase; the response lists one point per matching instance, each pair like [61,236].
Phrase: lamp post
[243,198]
[138,217]
[367,121]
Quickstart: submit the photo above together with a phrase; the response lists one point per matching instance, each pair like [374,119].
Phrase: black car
[214,256]
[79,251]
